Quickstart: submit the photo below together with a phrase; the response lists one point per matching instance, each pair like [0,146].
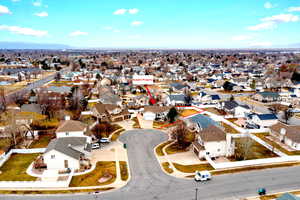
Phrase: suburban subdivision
[150,124]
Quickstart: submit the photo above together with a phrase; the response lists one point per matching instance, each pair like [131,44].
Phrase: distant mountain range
[27,45]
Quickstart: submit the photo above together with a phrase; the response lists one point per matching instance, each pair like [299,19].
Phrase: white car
[95,146]
[104,140]
[202,176]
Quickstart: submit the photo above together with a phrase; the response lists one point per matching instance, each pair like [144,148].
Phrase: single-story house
[156,112]
[110,112]
[71,128]
[67,152]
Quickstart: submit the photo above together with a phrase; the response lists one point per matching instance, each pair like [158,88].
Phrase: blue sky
[152,23]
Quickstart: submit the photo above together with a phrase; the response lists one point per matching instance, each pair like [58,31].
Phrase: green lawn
[15,168]
[42,142]
[92,178]
[192,168]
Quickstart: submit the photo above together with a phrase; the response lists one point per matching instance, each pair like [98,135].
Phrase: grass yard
[159,148]
[275,145]
[92,178]
[192,168]
[54,191]
[167,168]
[212,110]
[4,143]
[15,168]
[256,151]
[117,134]
[188,112]
[173,148]
[124,170]
[42,142]
[229,129]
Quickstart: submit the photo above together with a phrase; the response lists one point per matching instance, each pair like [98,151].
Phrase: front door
[66,164]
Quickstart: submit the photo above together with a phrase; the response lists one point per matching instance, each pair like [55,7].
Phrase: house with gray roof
[68,153]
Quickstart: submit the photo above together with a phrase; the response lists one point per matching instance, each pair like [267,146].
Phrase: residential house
[266,96]
[68,153]
[110,112]
[71,128]
[289,135]
[212,141]
[176,100]
[263,120]
[156,112]
[199,122]
[234,108]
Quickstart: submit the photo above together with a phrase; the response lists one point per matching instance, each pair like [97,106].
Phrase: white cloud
[121,11]
[133,11]
[136,23]
[37,3]
[260,44]
[242,37]
[268,5]
[41,14]
[281,18]
[78,33]
[263,26]
[24,31]
[294,9]
[4,10]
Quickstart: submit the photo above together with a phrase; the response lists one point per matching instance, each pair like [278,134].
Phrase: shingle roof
[156,109]
[70,126]
[66,146]
[178,97]
[292,132]
[229,105]
[288,196]
[267,116]
[202,121]
[212,133]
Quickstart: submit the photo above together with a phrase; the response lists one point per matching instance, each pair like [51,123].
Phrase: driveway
[149,182]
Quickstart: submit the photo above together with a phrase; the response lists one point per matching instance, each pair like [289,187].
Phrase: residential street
[149,182]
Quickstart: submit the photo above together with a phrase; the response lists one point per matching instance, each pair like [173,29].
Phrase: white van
[202,176]
[95,146]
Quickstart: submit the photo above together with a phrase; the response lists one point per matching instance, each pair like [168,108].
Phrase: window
[52,156]
[67,133]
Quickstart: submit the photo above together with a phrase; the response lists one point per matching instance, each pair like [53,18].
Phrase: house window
[52,156]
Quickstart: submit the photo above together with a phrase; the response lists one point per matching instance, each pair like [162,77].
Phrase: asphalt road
[148,182]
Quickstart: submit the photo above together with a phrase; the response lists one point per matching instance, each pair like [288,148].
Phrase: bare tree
[287,115]
[182,135]
[243,148]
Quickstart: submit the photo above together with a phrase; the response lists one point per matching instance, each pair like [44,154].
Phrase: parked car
[202,176]
[252,126]
[95,146]
[104,140]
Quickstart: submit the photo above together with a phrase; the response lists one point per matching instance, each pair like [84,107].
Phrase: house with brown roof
[212,141]
[110,112]
[71,128]
[289,135]
[156,112]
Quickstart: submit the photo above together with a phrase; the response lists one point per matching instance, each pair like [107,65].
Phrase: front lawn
[174,148]
[229,129]
[193,168]
[159,148]
[42,142]
[103,168]
[188,112]
[167,168]
[4,143]
[15,168]
[116,135]
[124,170]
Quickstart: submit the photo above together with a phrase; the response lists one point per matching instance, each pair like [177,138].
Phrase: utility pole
[196,194]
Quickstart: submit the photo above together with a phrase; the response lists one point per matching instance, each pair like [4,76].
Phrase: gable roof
[292,132]
[229,105]
[178,86]
[202,121]
[66,146]
[157,109]
[269,94]
[71,126]
[212,134]
[177,97]
[267,116]
[102,108]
